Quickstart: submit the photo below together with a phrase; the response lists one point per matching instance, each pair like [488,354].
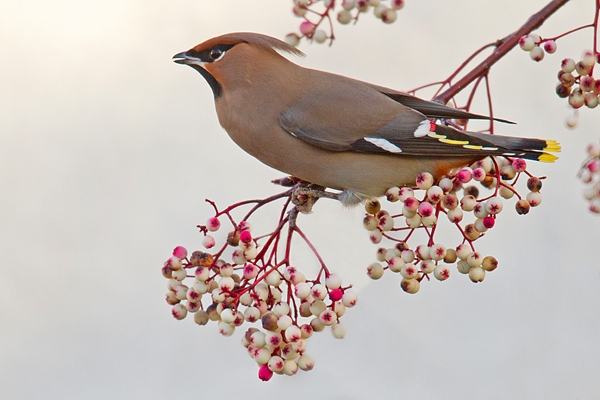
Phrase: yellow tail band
[553,146]
[549,158]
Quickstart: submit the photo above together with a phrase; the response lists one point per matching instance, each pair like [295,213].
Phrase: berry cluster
[590,175]
[255,287]
[575,78]
[536,46]
[428,203]
[576,81]
[351,9]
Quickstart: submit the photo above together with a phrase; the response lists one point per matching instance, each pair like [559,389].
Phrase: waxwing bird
[335,131]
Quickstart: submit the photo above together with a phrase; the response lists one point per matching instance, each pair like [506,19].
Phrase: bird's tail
[487,144]
[532,149]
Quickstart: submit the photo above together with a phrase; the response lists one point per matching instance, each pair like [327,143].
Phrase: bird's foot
[304,197]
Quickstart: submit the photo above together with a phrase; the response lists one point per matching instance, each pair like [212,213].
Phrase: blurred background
[108,150]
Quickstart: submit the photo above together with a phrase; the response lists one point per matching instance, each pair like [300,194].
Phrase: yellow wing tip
[549,158]
[553,146]
[451,141]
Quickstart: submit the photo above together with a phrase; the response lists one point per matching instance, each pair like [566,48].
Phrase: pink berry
[411,204]
[336,295]
[180,252]
[464,175]
[489,222]
[594,166]
[250,271]
[213,224]
[519,165]
[245,237]
[307,28]
[425,209]
[550,46]
[264,373]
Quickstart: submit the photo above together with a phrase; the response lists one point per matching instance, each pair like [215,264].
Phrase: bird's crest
[263,42]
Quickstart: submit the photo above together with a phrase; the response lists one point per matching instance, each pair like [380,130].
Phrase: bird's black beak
[183,58]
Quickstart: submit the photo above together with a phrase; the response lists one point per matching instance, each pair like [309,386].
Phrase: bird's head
[219,58]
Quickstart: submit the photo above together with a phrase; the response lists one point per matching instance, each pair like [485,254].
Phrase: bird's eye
[215,54]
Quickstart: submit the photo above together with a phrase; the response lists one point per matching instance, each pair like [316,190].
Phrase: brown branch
[505,45]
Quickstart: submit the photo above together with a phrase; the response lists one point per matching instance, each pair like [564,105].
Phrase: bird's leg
[305,196]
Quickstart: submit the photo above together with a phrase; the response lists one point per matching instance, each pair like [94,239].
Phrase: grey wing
[336,117]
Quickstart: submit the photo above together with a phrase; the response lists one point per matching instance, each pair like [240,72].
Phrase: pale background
[108,150]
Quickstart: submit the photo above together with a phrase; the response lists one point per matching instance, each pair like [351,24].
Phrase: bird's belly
[365,173]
